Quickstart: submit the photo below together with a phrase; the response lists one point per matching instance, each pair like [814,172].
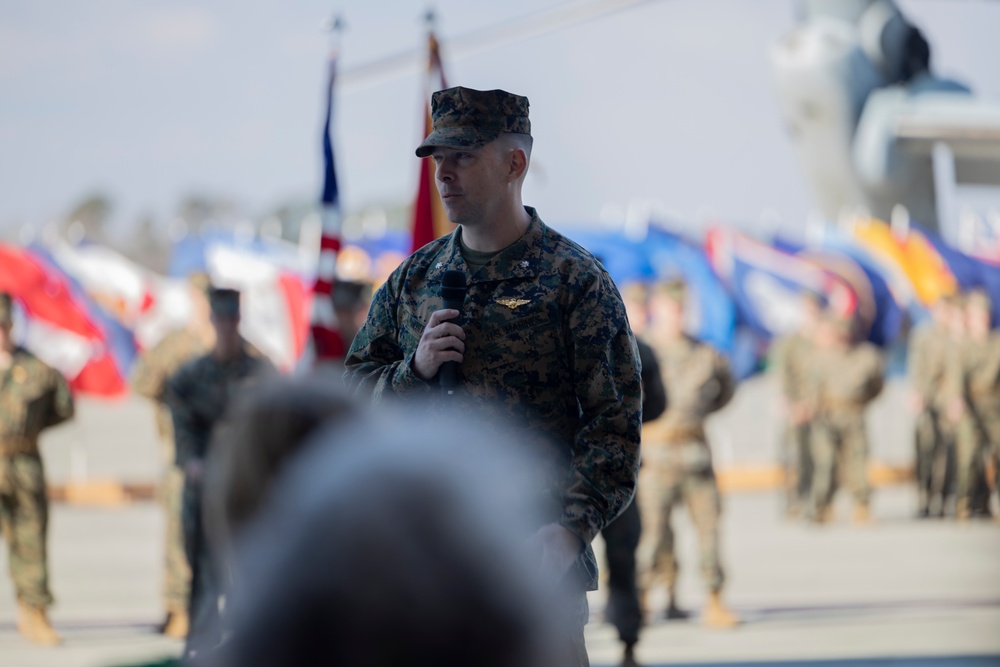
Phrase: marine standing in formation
[543,342]
[199,394]
[844,378]
[927,362]
[973,394]
[33,397]
[791,356]
[621,536]
[676,459]
[149,379]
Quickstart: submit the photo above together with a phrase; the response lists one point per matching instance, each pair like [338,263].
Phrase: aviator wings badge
[513,304]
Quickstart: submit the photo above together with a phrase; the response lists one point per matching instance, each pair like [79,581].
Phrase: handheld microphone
[453,294]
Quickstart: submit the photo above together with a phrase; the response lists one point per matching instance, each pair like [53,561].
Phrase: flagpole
[326,341]
[424,225]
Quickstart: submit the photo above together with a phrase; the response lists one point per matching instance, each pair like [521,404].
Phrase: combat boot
[673,612]
[33,624]
[861,514]
[628,658]
[178,624]
[717,615]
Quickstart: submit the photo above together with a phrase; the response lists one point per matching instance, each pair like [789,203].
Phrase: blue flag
[969,271]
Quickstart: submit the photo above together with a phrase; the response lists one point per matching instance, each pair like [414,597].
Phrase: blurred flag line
[88,310]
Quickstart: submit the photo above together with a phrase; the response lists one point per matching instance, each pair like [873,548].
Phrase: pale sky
[670,101]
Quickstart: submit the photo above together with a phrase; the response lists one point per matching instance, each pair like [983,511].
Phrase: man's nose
[444,172]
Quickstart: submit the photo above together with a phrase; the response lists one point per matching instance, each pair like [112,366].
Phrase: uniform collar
[521,259]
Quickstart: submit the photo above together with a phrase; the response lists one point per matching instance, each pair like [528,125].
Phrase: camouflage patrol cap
[841,324]
[635,291]
[467,118]
[350,294]
[674,289]
[813,299]
[200,282]
[978,298]
[6,309]
[224,302]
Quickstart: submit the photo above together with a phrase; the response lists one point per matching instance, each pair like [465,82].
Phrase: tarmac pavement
[898,591]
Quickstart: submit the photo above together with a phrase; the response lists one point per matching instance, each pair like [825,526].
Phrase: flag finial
[333,23]
[430,18]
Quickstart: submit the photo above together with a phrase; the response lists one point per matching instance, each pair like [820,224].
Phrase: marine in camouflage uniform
[546,341]
[199,394]
[844,378]
[972,387]
[621,536]
[790,358]
[676,458]
[33,397]
[933,437]
[149,379]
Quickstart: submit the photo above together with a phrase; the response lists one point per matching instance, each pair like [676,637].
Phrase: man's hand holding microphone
[442,344]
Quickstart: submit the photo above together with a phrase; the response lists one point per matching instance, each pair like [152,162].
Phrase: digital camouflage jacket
[548,348]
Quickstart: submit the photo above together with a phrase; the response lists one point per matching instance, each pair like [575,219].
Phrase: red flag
[429,221]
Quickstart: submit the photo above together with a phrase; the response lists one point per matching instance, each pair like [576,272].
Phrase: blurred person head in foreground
[394,542]
[268,426]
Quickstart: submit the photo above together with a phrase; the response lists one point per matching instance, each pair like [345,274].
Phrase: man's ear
[517,165]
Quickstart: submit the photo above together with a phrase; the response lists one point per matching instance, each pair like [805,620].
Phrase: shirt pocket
[521,354]
[410,332]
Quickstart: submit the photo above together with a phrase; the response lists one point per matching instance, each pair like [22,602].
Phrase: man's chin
[454,216]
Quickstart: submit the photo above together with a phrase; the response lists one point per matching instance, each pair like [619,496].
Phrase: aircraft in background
[874,128]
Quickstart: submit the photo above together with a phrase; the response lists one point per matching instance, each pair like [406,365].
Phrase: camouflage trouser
[976,440]
[839,447]
[176,571]
[669,476]
[934,462]
[621,538]
[24,511]
[798,465]
[969,445]
[993,434]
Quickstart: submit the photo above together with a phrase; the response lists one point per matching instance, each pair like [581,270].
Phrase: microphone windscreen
[453,285]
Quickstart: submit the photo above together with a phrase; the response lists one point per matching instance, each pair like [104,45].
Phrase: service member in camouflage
[621,536]
[543,341]
[676,458]
[790,359]
[149,379]
[927,355]
[973,390]
[33,397]
[844,378]
[199,394]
